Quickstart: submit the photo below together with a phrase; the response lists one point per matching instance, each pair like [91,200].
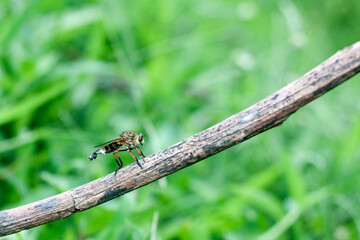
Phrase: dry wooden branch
[266,114]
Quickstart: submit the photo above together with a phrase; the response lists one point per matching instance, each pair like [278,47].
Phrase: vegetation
[76,74]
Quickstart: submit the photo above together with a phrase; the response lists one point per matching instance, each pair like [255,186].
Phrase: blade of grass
[293,178]
[295,212]
[13,26]
[24,138]
[31,102]
[262,200]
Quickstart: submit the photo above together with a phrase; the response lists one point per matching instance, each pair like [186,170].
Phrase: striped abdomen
[111,147]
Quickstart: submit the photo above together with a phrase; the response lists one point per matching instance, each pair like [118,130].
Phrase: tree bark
[268,113]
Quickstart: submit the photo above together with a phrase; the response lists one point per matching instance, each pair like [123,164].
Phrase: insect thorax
[130,139]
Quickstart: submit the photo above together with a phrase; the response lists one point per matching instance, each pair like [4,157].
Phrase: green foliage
[76,74]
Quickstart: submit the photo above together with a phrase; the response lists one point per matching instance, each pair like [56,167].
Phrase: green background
[74,74]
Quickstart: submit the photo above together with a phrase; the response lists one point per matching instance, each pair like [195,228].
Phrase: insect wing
[115,140]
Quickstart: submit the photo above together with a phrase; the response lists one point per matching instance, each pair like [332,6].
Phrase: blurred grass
[75,74]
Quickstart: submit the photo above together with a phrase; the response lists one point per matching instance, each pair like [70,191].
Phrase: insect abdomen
[106,149]
[111,147]
[93,156]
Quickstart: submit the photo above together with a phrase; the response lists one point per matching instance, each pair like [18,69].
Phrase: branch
[268,113]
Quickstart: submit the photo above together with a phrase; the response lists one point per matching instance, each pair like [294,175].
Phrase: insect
[129,140]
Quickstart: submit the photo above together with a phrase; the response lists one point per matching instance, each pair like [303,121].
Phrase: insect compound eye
[141,137]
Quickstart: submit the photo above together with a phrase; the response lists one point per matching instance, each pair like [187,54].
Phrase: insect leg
[134,157]
[118,161]
[139,151]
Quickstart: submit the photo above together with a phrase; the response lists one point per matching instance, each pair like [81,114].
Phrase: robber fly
[128,140]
